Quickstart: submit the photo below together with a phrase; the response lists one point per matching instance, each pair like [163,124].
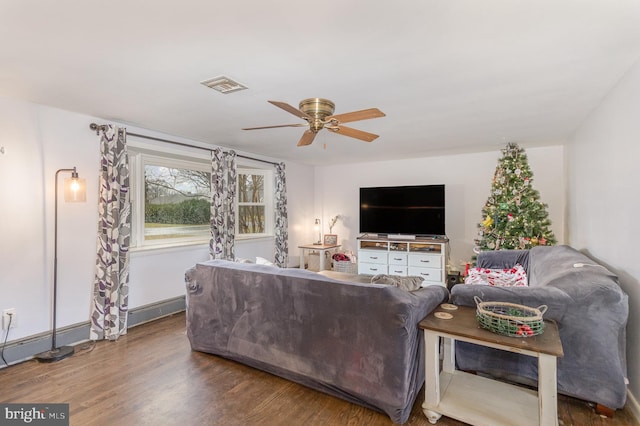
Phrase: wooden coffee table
[479,400]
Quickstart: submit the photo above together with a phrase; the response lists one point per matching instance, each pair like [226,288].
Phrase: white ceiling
[451,75]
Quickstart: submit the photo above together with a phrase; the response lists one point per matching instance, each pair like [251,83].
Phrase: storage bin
[345,266]
[314,261]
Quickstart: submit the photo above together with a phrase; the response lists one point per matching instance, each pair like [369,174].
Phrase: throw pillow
[512,277]
[405,283]
[263,261]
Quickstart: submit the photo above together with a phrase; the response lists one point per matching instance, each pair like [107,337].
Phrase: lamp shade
[75,190]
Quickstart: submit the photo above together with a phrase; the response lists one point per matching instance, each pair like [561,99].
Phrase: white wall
[604,199]
[37,141]
[467,180]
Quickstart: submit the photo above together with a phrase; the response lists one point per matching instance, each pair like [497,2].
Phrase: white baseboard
[634,406]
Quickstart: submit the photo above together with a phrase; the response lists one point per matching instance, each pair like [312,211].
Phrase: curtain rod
[103,127]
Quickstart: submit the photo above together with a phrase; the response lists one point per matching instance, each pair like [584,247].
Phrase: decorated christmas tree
[514,217]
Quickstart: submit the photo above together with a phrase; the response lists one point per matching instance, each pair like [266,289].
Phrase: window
[254,210]
[171,200]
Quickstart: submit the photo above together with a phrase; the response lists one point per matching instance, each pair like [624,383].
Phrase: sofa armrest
[430,298]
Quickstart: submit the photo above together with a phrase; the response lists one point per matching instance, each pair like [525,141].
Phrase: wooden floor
[151,377]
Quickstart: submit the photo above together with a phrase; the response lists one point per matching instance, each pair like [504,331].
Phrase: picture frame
[330,239]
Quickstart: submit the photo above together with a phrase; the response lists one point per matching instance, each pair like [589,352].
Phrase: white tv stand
[423,256]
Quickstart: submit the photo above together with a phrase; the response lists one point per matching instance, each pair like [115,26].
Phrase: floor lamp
[74,191]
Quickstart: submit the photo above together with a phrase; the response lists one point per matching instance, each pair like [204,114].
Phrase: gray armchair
[591,311]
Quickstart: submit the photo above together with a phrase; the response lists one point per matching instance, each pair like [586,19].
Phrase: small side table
[479,400]
[322,248]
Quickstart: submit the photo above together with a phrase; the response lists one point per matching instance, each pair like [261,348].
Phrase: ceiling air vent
[223,84]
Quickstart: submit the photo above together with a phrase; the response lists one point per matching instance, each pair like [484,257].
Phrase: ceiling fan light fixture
[317,107]
[318,113]
[224,85]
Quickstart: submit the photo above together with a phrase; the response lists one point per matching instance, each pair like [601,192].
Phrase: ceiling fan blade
[353,133]
[295,111]
[281,125]
[307,138]
[365,114]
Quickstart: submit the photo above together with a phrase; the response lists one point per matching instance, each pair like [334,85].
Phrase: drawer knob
[373,269]
[424,261]
[397,258]
[373,257]
[422,273]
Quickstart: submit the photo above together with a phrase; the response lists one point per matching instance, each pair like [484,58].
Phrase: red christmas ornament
[510,217]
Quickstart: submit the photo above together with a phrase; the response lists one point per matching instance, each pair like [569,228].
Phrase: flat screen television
[408,210]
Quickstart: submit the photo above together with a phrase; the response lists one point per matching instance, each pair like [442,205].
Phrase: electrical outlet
[9,315]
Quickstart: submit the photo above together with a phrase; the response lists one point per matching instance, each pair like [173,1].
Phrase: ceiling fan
[318,114]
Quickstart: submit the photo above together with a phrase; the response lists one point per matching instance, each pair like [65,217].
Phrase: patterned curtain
[111,283]
[282,224]
[223,214]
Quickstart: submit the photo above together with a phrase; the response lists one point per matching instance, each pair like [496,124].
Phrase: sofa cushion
[263,261]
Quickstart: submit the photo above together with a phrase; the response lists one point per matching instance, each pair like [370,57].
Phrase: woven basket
[510,319]
[314,261]
[345,266]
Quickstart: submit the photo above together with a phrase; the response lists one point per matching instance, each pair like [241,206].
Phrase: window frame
[138,161]
[141,154]
[269,196]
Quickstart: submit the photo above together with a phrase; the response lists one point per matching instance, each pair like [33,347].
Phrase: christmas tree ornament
[542,241]
[487,222]
[504,206]
[510,217]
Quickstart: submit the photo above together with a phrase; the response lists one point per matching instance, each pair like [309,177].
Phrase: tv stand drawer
[373,257]
[398,259]
[428,274]
[371,268]
[425,260]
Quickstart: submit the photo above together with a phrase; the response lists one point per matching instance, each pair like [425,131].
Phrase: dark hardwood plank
[151,377]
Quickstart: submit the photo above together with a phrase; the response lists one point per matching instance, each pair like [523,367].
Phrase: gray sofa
[359,342]
[589,307]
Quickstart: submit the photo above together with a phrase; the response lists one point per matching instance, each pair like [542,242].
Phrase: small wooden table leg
[547,390]
[432,376]
[603,410]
